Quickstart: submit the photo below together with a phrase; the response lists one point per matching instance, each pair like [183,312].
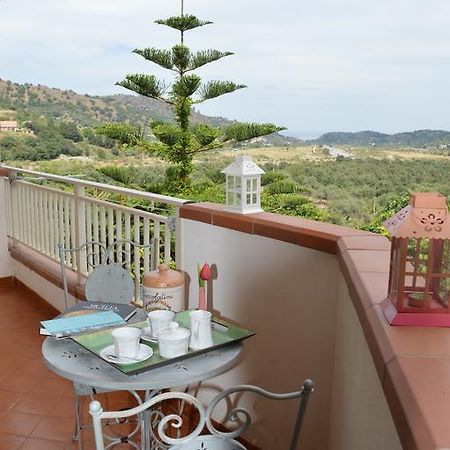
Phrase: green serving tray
[223,332]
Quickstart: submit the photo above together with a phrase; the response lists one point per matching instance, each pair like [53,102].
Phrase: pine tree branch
[121,132]
[238,132]
[146,85]
[186,86]
[214,89]
[161,57]
[181,57]
[204,134]
[183,23]
[169,134]
[201,58]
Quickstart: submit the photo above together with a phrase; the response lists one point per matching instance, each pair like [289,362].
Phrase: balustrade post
[5,266]
[178,240]
[80,231]
[12,207]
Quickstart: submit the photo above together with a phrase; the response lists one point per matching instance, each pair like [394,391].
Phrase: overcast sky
[311,65]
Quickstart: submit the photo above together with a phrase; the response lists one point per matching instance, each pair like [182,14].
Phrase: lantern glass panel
[254,198]
[417,256]
[230,198]
[230,182]
[249,185]
[441,256]
[238,183]
[254,184]
[442,291]
[248,199]
[238,199]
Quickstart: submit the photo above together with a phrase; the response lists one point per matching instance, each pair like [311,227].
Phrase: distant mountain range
[416,139]
[88,111]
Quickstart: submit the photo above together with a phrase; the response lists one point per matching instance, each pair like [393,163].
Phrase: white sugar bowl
[173,341]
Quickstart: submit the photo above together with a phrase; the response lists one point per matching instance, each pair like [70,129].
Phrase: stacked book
[85,317]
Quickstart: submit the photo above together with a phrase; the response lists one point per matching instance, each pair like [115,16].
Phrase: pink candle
[204,274]
[202,299]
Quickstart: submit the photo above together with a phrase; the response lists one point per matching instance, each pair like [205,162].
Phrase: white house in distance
[8,125]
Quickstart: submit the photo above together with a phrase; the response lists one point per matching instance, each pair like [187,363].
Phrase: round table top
[70,360]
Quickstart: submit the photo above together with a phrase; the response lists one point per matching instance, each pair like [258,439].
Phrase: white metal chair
[107,280]
[216,440]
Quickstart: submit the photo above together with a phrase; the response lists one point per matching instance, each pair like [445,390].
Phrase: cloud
[309,64]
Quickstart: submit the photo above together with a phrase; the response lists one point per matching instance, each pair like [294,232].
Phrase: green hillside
[31,101]
[85,110]
[415,139]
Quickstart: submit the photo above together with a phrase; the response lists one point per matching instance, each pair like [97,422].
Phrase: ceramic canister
[164,289]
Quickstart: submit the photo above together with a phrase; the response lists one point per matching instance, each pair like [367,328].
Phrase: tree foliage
[179,142]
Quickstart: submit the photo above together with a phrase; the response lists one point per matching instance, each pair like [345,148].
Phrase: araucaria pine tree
[179,142]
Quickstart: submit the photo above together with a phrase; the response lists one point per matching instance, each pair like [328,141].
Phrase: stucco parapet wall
[47,268]
[413,363]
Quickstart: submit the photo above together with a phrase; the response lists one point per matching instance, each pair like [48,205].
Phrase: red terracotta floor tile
[7,401]
[42,444]
[36,404]
[20,424]
[54,428]
[10,442]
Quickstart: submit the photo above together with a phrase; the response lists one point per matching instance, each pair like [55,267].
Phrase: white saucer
[147,335]
[145,352]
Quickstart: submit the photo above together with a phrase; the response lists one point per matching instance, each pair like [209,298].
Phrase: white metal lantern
[243,185]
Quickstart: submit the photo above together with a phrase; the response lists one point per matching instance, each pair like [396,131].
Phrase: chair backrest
[108,278]
[216,440]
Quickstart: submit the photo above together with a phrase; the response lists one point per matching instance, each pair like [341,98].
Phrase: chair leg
[76,432]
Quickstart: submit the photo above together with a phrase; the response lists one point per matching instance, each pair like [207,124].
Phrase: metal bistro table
[73,362]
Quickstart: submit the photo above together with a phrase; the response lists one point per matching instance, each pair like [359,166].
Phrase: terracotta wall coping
[413,363]
[3,172]
[307,233]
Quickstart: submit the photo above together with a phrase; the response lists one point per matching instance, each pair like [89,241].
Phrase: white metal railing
[74,212]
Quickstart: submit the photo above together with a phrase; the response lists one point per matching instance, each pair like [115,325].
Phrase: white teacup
[201,331]
[159,319]
[126,342]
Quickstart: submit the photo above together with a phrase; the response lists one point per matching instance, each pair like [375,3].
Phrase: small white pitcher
[201,332]
[158,320]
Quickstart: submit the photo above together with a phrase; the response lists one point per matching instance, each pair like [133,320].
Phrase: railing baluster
[67,228]
[110,226]
[96,235]
[127,237]
[119,235]
[103,225]
[61,220]
[157,236]
[137,257]
[54,210]
[26,228]
[167,237]
[146,232]
[47,221]
[20,211]
[32,216]
[41,221]
[90,248]
[73,242]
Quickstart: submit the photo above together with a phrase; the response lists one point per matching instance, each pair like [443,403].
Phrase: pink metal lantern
[419,278]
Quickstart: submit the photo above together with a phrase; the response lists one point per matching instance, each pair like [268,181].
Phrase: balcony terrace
[310,290]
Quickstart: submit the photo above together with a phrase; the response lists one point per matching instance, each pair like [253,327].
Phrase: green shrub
[282,187]
[271,177]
